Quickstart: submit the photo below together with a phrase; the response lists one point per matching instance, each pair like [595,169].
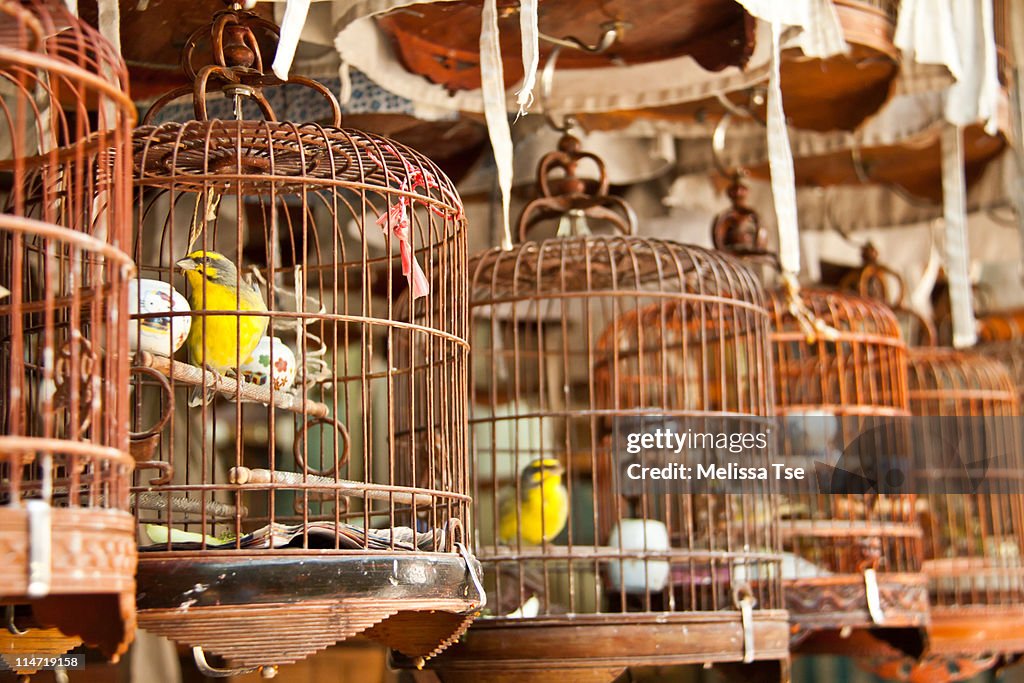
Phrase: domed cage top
[840,369]
[582,345]
[972,541]
[65,469]
[300,380]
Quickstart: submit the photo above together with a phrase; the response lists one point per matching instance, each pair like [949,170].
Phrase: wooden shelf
[183,373]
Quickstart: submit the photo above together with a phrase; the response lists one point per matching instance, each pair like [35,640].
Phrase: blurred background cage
[966,411]
[313,486]
[580,340]
[852,566]
[972,541]
[67,540]
[840,367]
[840,364]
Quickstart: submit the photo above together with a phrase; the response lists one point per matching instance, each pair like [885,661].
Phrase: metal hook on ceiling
[718,144]
[612,32]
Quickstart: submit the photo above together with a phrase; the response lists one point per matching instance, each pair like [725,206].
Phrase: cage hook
[611,32]
[212,672]
[481,593]
[12,628]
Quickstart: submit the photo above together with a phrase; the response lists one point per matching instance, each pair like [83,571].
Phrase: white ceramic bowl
[161,335]
[639,576]
[262,367]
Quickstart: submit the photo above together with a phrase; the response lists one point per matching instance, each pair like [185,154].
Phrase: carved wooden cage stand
[578,341]
[313,486]
[67,538]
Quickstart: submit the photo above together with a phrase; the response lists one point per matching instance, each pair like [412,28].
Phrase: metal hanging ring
[300,460]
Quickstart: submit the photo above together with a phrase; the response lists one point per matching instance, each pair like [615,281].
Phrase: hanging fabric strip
[530,35]
[989,95]
[110,22]
[493,88]
[294,19]
[344,83]
[954,207]
[823,33]
[1015,23]
[780,161]
[926,33]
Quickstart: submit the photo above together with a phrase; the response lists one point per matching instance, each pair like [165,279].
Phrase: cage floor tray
[266,608]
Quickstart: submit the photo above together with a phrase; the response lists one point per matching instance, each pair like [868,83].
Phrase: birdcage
[972,514]
[855,563]
[581,344]
[301,413]
[67,539]
[1001,337]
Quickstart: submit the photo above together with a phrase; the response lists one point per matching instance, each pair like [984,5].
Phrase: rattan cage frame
[601,282]
[866,379]
[67,534]
[375,414]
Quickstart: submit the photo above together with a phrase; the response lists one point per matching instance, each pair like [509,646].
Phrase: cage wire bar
[68,554]
[315,483]
[579,340]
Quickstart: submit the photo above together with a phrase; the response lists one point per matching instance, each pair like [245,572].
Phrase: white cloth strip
[529,30]
[780,161]
[295,12]
[493,87]
[954,205]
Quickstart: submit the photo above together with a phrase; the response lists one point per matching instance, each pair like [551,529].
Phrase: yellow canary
[228,339]
[543,505]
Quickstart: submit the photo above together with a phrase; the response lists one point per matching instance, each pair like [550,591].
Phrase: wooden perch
[184,373]
[345,487]
[155,501]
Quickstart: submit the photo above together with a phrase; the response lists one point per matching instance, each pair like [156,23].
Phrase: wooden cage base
[598,648]
[267,608]
[840,603]
[962,643]
[982,631]
[91,590]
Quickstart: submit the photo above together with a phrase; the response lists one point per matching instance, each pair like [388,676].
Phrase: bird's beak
[186,264]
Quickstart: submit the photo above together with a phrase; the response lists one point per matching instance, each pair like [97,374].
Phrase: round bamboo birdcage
[972,535]
[303,471]
[67,538]
[855,564]
[580,340]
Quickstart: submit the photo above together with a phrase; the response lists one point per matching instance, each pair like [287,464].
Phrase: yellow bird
[543,505]
[228,339]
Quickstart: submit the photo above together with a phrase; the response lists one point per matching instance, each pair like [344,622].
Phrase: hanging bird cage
[68,555]
[972,541]
[840,369]
[853,560]
[1001,337]
[971,514]
[577,340]
[303,472]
